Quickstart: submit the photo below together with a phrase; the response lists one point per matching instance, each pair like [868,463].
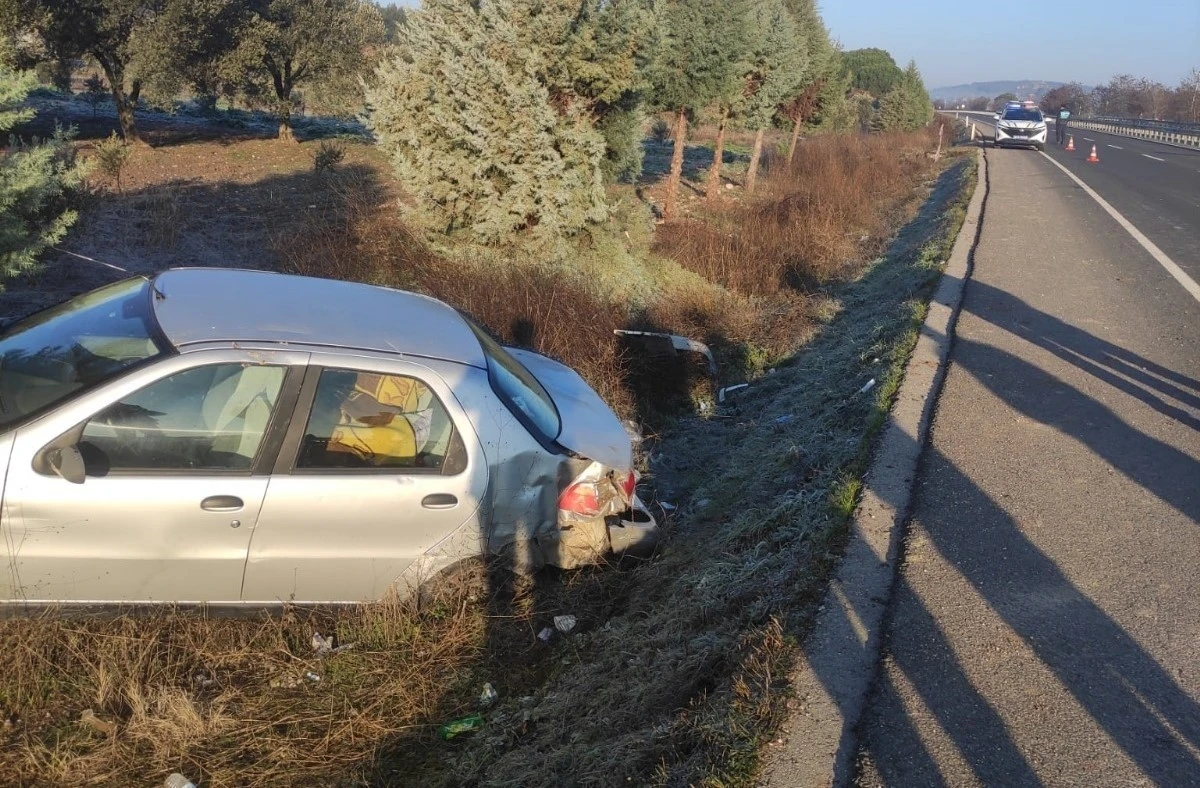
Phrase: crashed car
[248,438]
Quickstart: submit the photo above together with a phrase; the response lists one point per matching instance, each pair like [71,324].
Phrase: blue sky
[1064,40]
[960,41]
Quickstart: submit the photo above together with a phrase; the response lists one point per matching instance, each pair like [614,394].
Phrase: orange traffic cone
[1070,142]
[1092,157]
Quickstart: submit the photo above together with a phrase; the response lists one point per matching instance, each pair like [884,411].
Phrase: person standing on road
[1060,127]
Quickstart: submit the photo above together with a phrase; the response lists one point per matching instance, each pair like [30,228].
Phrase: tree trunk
[755,155]
[714,174]
[676,165]
[283,80]
[115,73]
[285,123]
[795,142]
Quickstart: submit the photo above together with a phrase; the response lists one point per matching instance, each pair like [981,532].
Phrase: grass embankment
[674,673]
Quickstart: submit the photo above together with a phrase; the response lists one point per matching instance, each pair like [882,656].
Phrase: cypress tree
[698,60]
[778,62]
[34,180]
[475,132]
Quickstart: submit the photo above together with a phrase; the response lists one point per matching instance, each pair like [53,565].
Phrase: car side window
[206,418]
[364,420]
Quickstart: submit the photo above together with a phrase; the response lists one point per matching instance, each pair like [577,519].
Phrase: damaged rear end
[598,510]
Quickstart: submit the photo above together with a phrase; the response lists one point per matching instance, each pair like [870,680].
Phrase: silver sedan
[249,438]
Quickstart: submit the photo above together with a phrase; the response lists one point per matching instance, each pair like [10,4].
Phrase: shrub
[328,154]
[112,155]
[36,178]
[94,92]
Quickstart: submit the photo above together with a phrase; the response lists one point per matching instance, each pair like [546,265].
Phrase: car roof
[194,305]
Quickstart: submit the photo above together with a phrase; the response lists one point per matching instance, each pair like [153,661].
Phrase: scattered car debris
[564,624]
[721,394]
[324,646]
[488,696]
[656,343]
[89,718]
[454,728]
[546,634]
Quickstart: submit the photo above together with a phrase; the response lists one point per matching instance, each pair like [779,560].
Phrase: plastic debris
[458,727]
[177,780]
[488,696]
[669,507]
[204,681]
[784,419]
[323,646]
[564,624]
[89,718]
[870,384]
[546,634]
[310,676]
[721,394]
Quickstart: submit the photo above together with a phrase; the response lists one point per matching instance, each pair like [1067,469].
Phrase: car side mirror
[67,463]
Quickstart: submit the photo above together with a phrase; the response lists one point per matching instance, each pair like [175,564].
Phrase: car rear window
[1023,114]
[519,389]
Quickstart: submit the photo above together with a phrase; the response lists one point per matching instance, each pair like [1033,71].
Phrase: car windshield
[77,345]
[1023,114]
[519,389]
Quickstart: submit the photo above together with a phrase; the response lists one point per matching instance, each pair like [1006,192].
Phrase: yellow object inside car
[374,425]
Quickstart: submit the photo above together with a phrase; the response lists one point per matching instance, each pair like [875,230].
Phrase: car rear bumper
[633,532]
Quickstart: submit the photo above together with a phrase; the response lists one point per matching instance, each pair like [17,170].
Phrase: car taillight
[581,498]
[628,486]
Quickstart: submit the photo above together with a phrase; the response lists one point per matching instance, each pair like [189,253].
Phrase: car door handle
[439,501]
[222,503]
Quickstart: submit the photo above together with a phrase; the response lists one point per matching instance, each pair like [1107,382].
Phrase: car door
[177,458]
[380,468]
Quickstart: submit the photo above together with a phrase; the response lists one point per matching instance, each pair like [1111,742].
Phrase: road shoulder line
[840,659]
[1173,269]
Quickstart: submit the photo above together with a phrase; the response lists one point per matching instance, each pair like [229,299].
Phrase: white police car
[1021,125]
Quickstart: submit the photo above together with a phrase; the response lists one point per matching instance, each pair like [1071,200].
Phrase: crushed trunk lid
[589,427]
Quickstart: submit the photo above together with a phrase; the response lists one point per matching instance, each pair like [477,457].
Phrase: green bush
[111,156]
[328,154]
[36,178]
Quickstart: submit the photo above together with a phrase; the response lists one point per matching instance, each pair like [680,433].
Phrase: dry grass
[224,701]
[676,671]
[816,221]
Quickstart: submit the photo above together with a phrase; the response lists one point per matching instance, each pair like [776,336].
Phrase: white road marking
[1118,147]
[1148,156]
[1174,270]
[1089,139]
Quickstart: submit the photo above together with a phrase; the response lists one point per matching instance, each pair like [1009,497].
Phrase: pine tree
[475,134]
[698,60]
[34,180]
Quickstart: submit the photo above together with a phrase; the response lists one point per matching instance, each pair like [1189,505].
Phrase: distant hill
[1023,88]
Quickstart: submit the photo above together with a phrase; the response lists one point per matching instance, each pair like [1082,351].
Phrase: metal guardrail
[1169,126]
[1186,135]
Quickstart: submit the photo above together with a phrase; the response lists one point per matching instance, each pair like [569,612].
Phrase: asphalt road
[1045,628]
[1155,186]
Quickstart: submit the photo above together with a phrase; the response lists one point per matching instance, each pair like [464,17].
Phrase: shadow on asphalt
[1124,689]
